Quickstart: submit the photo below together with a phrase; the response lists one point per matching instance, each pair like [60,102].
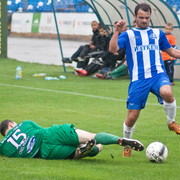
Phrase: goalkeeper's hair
[4,126]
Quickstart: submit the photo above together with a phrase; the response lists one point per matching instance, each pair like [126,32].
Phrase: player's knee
[100,147]
[167,94]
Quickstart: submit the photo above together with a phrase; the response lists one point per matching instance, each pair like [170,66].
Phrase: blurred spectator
[97,62]
[105,61]
[81,50]
[168,60]
[97,44]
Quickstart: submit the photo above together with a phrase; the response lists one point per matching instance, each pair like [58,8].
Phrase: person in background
[111,66]
[119,71]
[169,60]
[94,45]
[96,63]
[83,48]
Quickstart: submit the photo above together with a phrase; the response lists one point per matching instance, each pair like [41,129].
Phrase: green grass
[90,104]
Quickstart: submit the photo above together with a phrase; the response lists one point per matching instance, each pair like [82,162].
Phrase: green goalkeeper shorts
[59,142]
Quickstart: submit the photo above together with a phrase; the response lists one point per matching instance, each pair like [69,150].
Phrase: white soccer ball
[156,152]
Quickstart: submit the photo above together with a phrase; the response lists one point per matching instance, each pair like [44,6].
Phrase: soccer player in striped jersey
[146,68]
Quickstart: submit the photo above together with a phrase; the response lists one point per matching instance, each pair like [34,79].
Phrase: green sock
[119,74]
[105,138]
[118,69]
[94,152]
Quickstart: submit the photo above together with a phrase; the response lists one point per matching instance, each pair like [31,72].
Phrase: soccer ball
[156,152]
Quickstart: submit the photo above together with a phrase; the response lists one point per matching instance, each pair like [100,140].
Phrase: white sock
[170,109]
[128,131]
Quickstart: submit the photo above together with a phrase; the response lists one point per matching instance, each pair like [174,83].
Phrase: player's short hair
[4,126]
[143,6]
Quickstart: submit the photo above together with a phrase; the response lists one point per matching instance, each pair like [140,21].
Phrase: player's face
[142,19]
[12,124]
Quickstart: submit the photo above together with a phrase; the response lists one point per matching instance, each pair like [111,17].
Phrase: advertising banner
[47,23]
[68,23]
[21,22]
[36,22]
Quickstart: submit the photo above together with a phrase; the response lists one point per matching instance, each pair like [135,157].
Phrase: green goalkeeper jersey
[23,140]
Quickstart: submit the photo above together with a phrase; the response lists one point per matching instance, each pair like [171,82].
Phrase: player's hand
[120,25]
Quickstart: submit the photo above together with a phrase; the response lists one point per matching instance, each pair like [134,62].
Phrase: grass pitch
[90,104]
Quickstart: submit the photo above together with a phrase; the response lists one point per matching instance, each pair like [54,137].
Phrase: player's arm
[173,52]
[113,44]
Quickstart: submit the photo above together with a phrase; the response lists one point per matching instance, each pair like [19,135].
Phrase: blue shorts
[139,90]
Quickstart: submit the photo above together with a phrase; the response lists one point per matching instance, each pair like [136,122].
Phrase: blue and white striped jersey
[143,51]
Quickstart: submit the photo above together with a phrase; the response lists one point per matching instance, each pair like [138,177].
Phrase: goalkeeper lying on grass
[29,140]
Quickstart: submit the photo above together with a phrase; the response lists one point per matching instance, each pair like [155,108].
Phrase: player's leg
[169,107]
[163,91]
[107,139]
[89,149]
[128,128]
[129,124]
[100,138]
[88,146]
[137,96]
[84,136]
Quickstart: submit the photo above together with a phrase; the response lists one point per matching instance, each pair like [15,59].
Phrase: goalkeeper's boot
[131,143]
[174,127]
[87,147]
[84,150]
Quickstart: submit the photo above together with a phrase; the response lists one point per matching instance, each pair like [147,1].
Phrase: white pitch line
[72,93]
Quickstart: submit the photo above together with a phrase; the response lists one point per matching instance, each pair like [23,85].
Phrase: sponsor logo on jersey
[153,36]
[22,145]
[146,47]
[31,144]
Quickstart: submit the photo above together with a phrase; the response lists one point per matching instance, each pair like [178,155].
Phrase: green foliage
[90,104]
